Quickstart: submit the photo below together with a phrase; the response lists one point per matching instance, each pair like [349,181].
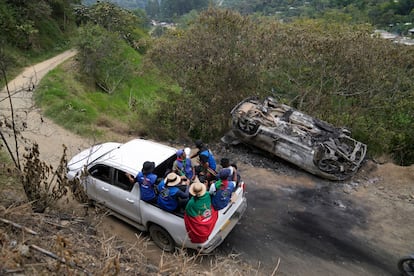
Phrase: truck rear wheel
[162,238]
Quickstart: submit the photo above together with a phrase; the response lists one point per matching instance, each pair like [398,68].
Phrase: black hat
[225,162]
[199,143]
[148,167]
[203,158]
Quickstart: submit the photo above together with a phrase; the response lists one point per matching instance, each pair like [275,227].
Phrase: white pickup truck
[102,171]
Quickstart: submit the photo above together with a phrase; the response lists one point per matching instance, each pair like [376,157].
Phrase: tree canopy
[35,24]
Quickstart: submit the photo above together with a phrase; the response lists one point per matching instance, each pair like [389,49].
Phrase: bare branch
[60,259]
[18,226]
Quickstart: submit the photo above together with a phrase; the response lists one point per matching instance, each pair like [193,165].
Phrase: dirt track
[30,122]
[357,227]
[316,227]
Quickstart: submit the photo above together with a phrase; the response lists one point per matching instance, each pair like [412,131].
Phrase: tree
[175,8]
[28,24]
[215,61]
[313,65]
[153,8]
[114,19]
[101,57]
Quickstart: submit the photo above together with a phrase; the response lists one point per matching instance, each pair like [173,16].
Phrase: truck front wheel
[161,238]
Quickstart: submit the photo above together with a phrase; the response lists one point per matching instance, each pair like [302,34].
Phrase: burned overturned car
[311,144]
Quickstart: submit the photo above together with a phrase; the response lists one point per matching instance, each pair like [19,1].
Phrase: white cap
[187,152]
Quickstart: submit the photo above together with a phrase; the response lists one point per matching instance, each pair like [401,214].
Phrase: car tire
[161,238]
[406,266]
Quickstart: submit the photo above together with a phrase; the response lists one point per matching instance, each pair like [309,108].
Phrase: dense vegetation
[184,84]
[127,4]
[335,72]
[391,15]
[388,14]
[111,81]
[32,31]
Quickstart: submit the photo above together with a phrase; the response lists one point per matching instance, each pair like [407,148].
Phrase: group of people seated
[197,191]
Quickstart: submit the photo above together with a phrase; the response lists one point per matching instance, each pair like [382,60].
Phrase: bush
[101,55]
[42,184]
[335,72]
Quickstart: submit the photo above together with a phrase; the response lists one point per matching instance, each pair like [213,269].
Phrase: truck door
[125,196]
[99,183]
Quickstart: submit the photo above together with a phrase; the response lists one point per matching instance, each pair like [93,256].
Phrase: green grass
[19,59]
[84,110]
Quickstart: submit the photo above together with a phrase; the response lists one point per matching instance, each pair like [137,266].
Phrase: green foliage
[335,72]
[102,57]
[172,9]
[383,14]
[25,24]
[153,8]
[115,20]
[69,109]
[126,4]
[216,62]
[79,106]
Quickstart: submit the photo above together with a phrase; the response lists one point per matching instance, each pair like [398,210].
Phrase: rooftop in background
[395,37]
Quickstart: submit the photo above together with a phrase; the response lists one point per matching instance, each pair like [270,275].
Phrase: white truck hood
[89,155]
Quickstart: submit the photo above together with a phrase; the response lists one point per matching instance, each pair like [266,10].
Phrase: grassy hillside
[77,104]
[336,72]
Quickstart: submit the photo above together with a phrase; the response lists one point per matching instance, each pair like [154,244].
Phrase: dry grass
[60,243]
[70,241]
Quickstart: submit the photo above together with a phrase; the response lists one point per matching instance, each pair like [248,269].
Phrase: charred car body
[311,144]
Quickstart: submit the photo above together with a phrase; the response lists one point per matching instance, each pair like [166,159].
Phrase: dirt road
[314,227]
[29,120]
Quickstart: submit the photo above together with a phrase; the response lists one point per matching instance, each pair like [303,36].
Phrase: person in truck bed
[183,167]
[222,189]
[146,180]
[199,217]
[171,198]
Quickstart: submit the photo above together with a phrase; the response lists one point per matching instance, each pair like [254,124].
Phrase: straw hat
[197,189]
[172,179]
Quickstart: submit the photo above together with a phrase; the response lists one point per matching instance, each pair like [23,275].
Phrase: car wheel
[162,238]
[247,126]
[329,166]
[406,266]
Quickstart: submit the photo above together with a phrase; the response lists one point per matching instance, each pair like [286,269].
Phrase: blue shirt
[211,160]
[220,196]
[146,185]
[185,166]
[168,196]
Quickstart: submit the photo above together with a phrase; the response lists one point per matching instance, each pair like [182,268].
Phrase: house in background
[395,37]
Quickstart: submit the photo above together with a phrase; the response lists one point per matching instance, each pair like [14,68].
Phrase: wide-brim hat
[197,189]
[172,179]
[148,167]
